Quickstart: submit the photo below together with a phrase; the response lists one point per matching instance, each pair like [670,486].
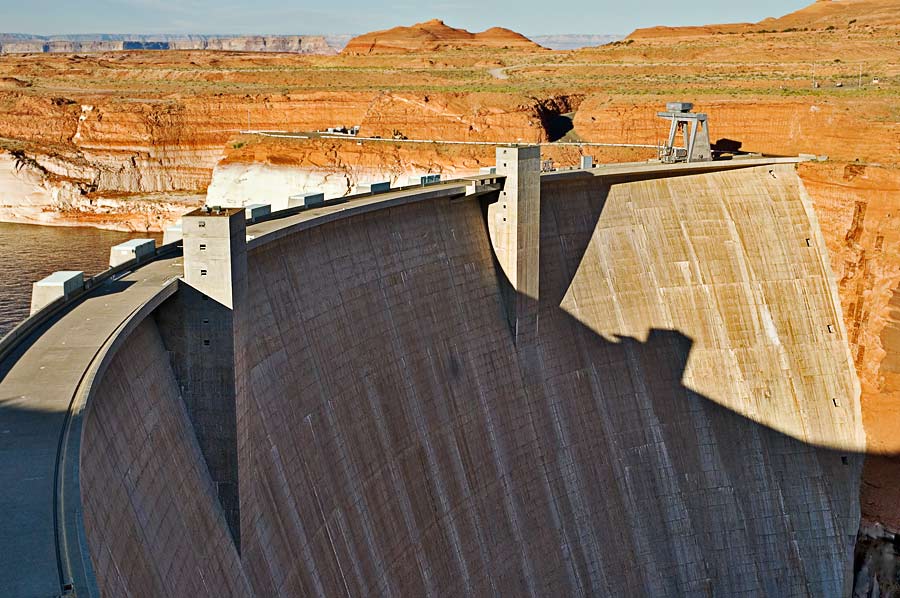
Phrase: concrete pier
[215,255]
[172,233]
[380,187]
[199,327]
[307,200]
[514,227]
[257,210]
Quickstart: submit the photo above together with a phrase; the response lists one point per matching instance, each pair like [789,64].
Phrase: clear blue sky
[356,16]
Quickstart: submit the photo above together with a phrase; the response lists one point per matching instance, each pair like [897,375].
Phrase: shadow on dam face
[393,439]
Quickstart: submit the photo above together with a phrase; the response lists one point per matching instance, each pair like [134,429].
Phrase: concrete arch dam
[619,381]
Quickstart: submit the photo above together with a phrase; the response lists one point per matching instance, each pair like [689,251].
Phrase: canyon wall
[110,148]
[685,421]
[173,145]
[270,169]
[51,191]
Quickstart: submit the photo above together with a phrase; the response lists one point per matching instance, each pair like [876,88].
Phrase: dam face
[681,420]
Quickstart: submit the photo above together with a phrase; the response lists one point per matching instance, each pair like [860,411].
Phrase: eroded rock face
[53,191]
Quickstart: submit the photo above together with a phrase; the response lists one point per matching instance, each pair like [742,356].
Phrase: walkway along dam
[611,381]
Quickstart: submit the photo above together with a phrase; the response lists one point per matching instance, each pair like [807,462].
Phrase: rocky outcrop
[435,35]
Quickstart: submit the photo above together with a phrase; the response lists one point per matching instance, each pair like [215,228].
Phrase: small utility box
[256,210]
[587,161]
[380,187]
[135,249]
[679,106]
[306,201]
[58,284]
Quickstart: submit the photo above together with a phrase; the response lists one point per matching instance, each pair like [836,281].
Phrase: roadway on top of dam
[46,381]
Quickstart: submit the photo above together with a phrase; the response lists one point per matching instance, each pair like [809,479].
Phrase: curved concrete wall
[394,440]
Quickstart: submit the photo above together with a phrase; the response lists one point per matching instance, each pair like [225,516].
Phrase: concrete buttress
[198,326]
[514,228]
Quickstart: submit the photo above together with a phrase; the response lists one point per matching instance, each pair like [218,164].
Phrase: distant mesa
[822,14]
[575,41]
[11,43]
[435,35]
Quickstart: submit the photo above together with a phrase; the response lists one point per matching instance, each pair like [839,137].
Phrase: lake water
[29,253]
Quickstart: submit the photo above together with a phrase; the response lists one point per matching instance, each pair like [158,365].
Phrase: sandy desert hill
[435,35]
